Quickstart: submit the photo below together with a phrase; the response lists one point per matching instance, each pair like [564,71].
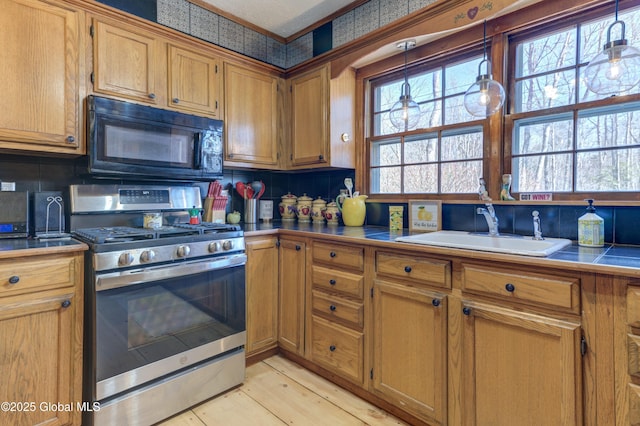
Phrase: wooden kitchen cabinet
[41,327]
[410,334]
[336,317]
[40,67]
[322,119]
[252,110]
[127,63]
[291,300]
[520,366]
[133,64]
[262,293]
[194,82]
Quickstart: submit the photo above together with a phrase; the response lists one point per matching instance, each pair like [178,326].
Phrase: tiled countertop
[623,260]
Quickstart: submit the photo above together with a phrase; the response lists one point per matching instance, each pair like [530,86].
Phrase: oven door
[155,321]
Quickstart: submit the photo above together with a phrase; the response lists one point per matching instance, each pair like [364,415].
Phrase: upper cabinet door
[39,69]
[309,118]
[194,85]
[126,63]
[251,117]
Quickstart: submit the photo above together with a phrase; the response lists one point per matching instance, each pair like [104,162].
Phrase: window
[566,138]
[445,154]
[555,135]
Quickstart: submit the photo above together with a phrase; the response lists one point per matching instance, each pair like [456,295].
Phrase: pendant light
[405,113]
[617,68]
[486,96]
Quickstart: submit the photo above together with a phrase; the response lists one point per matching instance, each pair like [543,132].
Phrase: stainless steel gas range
[164,307]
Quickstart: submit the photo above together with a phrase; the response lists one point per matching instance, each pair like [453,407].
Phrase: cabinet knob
[332,348]
[152,95]
[70,139]
[320,157]
[435,302]
[332,308]
[66,303]
[407,269]
[298,247]
[510,288]
[466,311]
[175,100]
[332,282]
[14,279]
[332,254]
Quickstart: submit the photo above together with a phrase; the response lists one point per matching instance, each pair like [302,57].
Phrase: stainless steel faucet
[492,220]
[537,230]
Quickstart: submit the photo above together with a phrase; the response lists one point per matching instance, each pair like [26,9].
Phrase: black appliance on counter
[164,307]
[127,139]
[14,214]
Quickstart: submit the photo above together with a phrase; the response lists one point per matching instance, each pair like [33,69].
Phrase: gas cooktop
[120,234]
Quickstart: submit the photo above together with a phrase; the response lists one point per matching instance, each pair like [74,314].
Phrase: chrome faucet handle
[537,230]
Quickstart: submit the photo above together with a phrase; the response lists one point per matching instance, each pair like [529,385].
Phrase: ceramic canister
[318,208]
[287,206]
[303,208]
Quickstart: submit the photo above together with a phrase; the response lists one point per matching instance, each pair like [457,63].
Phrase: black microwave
[128,140]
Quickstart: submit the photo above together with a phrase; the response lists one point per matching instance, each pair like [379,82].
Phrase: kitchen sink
[510,244]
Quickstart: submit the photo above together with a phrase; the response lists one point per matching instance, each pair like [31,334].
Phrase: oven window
[140,324]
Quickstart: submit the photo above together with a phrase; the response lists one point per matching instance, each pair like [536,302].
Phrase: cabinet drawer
[338,309]
[422,269]
[35,274]
[540,289]
[331,279]
[337,348]
[633,306]
[339,255]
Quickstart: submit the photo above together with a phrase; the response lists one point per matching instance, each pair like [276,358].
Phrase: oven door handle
[139,276]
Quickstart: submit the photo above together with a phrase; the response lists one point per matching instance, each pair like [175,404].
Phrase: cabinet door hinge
[290,89]
[291,157]
[277,243]
[91,31]
[371,292]
[216,104]
[371,374]
[583,346]
[216,68]
[92,77]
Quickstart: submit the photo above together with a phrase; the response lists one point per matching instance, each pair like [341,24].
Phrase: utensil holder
[250,210]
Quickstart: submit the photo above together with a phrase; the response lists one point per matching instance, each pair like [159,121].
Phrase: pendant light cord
[484,39]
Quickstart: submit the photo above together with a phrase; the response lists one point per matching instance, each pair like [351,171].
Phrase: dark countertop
[20,247]
[612,259]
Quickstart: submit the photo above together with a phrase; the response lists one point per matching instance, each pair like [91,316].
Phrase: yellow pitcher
[353,209]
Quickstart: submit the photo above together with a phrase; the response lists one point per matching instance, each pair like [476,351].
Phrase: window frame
[538,19]
[511,116]
[424,64]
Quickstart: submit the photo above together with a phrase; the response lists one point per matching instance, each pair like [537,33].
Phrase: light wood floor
[277,391]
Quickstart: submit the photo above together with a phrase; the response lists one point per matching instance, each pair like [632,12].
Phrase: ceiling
[281,17]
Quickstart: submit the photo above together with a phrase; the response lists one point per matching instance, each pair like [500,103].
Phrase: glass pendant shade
[486,96]
[616,69]
[405,113]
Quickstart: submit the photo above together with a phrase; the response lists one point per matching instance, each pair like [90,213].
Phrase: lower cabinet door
[410,348]
[338,349]
[519,368]
[37,362]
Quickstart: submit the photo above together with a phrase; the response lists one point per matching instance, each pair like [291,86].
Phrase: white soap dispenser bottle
[590,228]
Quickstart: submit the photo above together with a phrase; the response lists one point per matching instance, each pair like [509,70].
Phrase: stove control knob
[214,247]
[125,259]
[147,256]
[183,251]
[227,244]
